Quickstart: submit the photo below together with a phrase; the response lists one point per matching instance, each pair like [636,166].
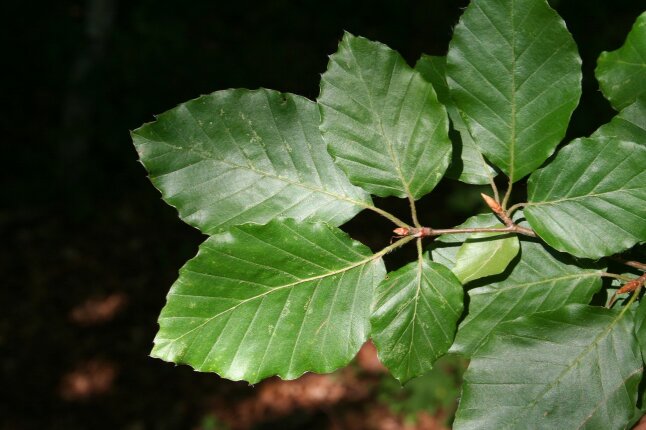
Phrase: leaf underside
[277,299]
[239,156]
[622,73]
[467,164]
[590,201]
[382,121]
[415,316]
[515,73]
[577,367]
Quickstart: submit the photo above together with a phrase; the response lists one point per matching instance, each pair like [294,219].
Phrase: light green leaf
[239,156]
[382,121]
[485,254]
[577,367]
[280,299]
[444,249]
[590,200]
[415,316]
[629,124]
[467,163]
[622,73]
[514,72]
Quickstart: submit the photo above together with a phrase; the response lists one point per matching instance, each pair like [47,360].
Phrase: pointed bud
[401,231]
[494,205]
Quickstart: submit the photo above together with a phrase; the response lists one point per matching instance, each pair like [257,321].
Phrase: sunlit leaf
[629,124]
[240,156]
[277,299]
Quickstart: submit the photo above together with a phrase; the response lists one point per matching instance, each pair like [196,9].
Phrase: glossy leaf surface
[622,73]
[577,367]
[467,163]
[415,316]
[382,121]
[590,200]
[239,156]
[514,72]
[277,299]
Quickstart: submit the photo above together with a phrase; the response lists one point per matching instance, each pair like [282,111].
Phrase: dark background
[79,220]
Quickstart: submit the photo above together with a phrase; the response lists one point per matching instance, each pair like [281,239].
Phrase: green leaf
[540,281]
[415,316]
[277,299]
[514,72]
[382,121]
[445,248]
[590,200]
[622,73]
[467,163]
[577,367]
[239,156]
[640,327]
[629,124]
[485,254]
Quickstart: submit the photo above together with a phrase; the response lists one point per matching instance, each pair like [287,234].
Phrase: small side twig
[634,264]
[634,285]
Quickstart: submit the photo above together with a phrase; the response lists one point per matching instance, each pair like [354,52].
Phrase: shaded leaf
[622,73]
[514,72]
[590,200]
[276,299]
[467,163]
[640,327]
[629,124]
[577,367]
[382,121]
[415,316]
[239,156]
[485,254]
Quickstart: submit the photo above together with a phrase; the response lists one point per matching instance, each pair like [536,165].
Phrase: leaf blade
[590,201]
[239,156]
[485,254]
[621,73]
[468,164]
[501,62]
[382,121]
[575,367]
[276,299]
[405,303]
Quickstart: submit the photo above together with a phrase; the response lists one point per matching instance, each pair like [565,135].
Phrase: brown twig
[628,287]
[635,264]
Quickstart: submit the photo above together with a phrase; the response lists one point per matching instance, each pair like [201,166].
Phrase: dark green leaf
[382,121]
[467,164]
[239,156]
[590,200]
[622,73]
[629,124]
[577,367]
[415,316]
[514,72]
[277,299]
[485,254]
